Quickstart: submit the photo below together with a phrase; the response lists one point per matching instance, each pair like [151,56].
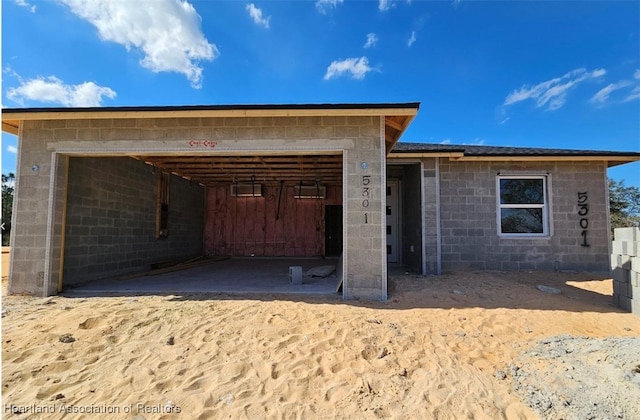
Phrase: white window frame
[546,232]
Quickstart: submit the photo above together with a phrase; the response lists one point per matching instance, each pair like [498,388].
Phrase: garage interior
[185,223]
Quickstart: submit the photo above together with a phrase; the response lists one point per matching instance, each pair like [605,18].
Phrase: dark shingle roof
[402,147]
[356,106]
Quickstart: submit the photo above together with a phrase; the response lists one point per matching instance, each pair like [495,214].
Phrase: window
[162,206]
[522,206]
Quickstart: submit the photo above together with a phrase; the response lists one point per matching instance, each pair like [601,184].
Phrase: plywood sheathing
[271,225]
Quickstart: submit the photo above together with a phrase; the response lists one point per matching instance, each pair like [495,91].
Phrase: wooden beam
[11,126]
[393,124]
[239,158]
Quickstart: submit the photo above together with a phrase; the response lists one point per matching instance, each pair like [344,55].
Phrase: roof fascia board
[203,113]
[414,155]
[612,160]
[579,158]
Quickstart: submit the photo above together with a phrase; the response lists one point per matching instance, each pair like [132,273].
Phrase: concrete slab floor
[236,275]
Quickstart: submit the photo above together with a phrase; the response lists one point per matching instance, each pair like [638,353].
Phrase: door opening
[332,230]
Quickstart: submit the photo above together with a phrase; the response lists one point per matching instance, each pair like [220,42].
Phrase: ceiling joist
[216,170]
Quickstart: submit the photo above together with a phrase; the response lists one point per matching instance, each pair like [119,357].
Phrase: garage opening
[202,223]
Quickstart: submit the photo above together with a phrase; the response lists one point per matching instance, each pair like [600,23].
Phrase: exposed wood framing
[394,126]
[219,170]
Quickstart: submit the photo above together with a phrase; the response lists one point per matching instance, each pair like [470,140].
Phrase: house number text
[366,180]
[583,211]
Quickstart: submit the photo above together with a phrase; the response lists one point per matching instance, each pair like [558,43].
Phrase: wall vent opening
[246,190]
[310,191]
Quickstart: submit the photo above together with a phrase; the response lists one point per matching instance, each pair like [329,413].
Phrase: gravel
[576,378]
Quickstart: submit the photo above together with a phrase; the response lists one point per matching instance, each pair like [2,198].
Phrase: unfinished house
[106,193]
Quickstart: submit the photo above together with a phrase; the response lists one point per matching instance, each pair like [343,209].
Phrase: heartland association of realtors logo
[139,408]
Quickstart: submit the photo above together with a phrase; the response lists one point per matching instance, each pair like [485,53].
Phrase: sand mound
[432,351]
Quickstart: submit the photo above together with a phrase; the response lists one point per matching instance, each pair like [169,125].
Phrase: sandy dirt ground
[457,346]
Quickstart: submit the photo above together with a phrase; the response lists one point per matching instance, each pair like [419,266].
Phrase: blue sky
[533,74]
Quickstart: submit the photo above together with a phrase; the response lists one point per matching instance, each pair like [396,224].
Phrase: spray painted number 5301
[366,180]
[583,211]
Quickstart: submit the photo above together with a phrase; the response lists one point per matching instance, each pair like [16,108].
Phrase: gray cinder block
[635,305]
[636,248]
[621,275]
[627,234]
[295,274]
[615,261]
[620,247]
[619,288]
[625,303]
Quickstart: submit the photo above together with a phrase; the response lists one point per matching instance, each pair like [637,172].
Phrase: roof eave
[24,114]
[612,160]
[13,117]
[393,130]
[11,126]
[557,158]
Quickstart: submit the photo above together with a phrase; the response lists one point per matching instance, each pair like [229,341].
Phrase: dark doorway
[332,230]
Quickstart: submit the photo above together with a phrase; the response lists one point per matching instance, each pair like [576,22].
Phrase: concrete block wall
[470,238]
[30,263]
[111,219]
[364,206]
[430,192]
[58,198]
[625,269]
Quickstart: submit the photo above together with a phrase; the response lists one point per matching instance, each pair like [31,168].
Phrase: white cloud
[603,94]
[324,5]
[635,94]
[476,142]
[53,90]
[24,3]
[168,32]
[372,40]
[12,149]
[357,67]
[552,93]
[256,15]
[384,5]
[411,39]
